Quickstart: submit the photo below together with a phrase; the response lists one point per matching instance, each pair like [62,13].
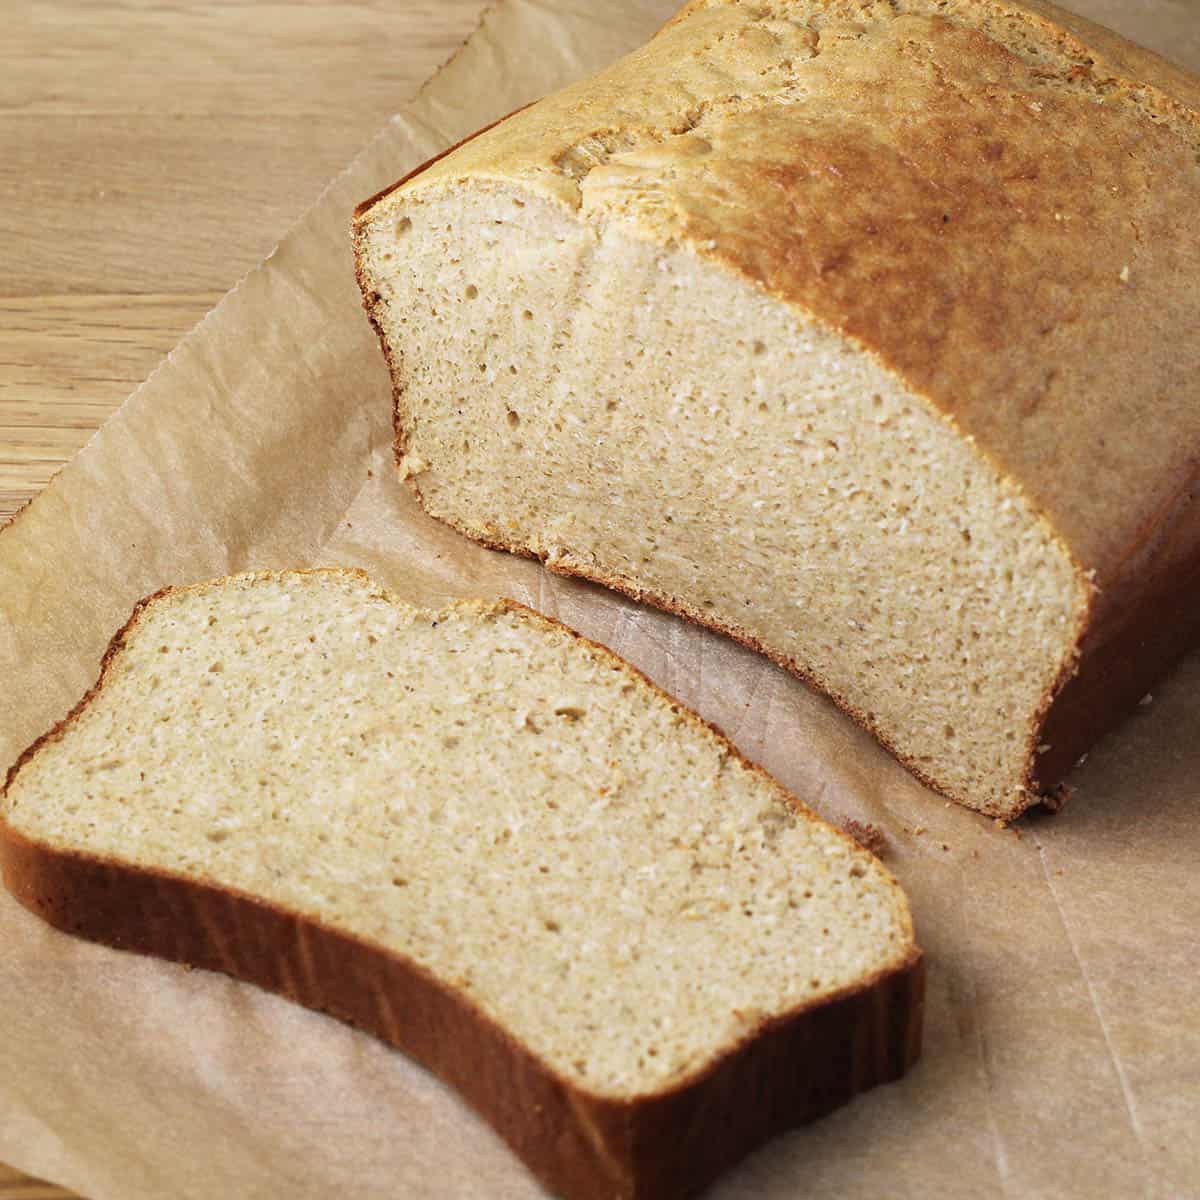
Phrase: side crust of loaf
[790,1069]
[1137,631]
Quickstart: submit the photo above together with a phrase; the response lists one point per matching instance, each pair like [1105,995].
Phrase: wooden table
[151,155]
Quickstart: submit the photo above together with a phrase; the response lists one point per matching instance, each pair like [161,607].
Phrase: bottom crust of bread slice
[490,843]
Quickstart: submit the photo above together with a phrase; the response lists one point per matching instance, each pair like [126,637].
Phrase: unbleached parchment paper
[1062,1053]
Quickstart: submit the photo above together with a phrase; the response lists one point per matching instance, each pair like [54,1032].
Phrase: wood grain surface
[152,154]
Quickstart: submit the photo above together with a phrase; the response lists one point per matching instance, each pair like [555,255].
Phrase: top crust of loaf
[999,201]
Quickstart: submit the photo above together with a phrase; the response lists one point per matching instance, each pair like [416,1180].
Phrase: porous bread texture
[780,485]
[818,321]
[478,791]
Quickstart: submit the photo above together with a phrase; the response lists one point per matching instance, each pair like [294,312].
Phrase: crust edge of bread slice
[789,1069]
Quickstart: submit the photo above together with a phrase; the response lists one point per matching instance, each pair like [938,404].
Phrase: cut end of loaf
[479,792]
[871,267]
[636,415]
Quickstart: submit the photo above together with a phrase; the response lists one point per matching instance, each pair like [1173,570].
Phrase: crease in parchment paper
[999,1151]
[1097,1007]
[263,440]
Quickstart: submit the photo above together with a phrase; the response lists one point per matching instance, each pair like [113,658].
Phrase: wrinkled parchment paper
[1063,1037]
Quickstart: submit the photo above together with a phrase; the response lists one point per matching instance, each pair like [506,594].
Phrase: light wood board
[153,155]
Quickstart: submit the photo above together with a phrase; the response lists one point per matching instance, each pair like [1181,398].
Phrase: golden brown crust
[383,192]
[1123,57]
[792,1068]
[1137,633]
[583,1147]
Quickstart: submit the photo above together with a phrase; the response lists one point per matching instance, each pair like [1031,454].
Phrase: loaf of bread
[862,330]
[492,844]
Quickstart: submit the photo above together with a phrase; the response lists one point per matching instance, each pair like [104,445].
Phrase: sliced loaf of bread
[862,330]
[489,842]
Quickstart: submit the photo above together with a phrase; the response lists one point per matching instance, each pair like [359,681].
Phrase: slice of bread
[861,330]
[487,841]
